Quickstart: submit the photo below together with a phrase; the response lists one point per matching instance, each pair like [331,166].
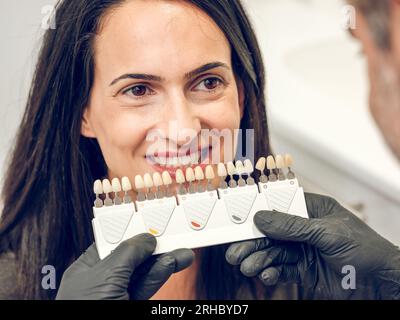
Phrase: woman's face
[159,66]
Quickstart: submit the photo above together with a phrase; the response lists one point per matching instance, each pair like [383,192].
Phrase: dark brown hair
[47,193]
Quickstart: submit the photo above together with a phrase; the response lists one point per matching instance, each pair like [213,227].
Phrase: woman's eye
[209,84]
[138,91]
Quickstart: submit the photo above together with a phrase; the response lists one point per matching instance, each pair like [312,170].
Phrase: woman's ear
[86,128]
[242,96]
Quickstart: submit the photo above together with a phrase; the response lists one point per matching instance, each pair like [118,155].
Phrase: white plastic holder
[196,220]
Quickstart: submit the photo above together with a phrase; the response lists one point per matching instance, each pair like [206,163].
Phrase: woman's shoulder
[8,276]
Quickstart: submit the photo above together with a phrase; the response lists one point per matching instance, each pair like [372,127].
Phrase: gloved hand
[130,265]
[312,253]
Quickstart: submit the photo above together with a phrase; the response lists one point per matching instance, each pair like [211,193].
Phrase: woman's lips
[172,157]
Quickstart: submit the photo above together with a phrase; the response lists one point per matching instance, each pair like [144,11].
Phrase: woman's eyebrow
[205,67]
[141,76]
[190,74]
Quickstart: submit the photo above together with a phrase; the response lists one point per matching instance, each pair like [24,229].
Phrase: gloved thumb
[287,227]
[130,254]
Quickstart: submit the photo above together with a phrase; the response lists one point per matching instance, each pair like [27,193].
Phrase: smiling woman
[111,72]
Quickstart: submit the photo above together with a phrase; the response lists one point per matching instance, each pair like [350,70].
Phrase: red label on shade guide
[195,224]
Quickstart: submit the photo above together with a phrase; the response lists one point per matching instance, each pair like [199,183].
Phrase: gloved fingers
[319,206]
[283,226]
[238,251]
[260,260]
[130,254]
[87,259]
[145,286]
[183,258]
[281,273]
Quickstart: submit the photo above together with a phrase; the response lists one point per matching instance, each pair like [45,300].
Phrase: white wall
[20,32]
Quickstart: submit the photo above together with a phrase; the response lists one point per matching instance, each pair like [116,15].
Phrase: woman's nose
[180,116]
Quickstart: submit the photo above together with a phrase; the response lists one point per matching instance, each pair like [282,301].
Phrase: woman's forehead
[150,35]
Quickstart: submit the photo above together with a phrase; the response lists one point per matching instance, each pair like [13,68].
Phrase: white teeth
[221,170]
[139,183]
[179,176]
[271,162]
[260,165]
[148,181]
[190,174]
[107,188]
[288,160]
[185,160]
[231,168]
[157,179]
[248,166]
[166,178]
[97,187]
[173,162]
[116,186]
[126,184]
[279,161]
[239,167]
[176,161]
[210,172]
[199,174]
[194,158]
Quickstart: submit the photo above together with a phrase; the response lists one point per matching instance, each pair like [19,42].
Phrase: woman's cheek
[119,138]
[223,115]
[125,130]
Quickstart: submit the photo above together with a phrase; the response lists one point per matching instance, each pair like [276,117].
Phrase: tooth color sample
[152,231]
[195,224]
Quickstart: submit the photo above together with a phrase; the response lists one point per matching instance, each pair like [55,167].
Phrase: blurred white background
[317,99]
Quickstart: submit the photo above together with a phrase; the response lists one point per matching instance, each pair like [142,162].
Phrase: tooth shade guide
[280,165]
[209,176]
[190,177]
[248,170]
[98,189]
[148,183]
[158,182]
[116,186]
[199,175]
[167,181]
[269,196]
[194,175]
[288,160]
[231,171]
[288,163]
[107,189]
[271,166]
[260,166]
[126,187]
[180,179]
[139,185]
[221,172]
[240,171]
[250,180]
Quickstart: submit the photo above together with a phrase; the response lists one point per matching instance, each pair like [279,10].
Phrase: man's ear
[86,128]
[242,96]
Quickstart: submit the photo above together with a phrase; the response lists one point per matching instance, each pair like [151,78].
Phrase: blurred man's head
[378,29]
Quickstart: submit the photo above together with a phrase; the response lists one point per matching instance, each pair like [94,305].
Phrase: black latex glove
[131,264]
[312,253]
